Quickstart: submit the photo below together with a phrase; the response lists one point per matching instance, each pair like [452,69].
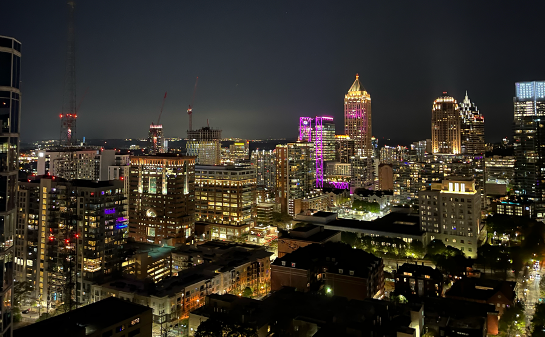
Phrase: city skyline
[254,70]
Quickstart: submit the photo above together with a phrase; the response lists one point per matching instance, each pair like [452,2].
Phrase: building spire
[356,86]
[466,99]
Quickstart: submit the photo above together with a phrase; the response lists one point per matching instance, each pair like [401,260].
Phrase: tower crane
[161,112]
[190,109]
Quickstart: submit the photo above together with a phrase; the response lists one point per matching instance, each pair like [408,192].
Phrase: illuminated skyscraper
[162,198]
[155,139]
[357,118]
[445,126]
[295,175]
[10,113]
[472,128]
[529,142]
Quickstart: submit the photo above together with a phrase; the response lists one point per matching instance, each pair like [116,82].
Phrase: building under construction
[205,144]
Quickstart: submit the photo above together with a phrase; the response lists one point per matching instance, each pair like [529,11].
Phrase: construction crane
[190,109]
[161,112]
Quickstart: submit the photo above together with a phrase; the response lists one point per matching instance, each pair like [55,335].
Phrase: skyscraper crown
[356,86]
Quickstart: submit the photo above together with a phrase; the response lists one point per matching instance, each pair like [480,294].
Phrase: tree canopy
[223,327]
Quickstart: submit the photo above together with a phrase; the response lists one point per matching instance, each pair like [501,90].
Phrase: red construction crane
[161,112]
[190,109]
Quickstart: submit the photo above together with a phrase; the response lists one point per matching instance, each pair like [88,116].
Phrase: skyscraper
[472,127]
[155,139]
[529,142]
[162,198]
[295,175]
[10,113]
[205,144]
[357,118]
[445,126]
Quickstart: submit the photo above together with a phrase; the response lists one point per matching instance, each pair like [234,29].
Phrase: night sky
[263,64]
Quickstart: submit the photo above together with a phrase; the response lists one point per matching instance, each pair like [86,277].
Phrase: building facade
[155,139]
[10,113]
[529,142]
[472,128]
[451,211]
[264,162]
[446,126]
[69,236]
[295,173]
[162,198]
[225,195]
[205,145]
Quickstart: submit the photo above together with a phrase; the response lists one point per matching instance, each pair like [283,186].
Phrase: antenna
[68,115]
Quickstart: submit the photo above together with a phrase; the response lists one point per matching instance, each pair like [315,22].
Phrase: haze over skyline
[263,65]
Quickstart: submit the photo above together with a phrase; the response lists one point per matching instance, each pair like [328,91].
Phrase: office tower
[155,139]
[529,142]
[305,129]
[472,128]
[264,162]
[226,196]
[239,151]
[162,198]
[344,148]
[419,150]
[450,211]
[374,146]
[500,170]
[391,154]
[205,144]
[295,175]
[326,132]
[357,118]
[69,236]
[445,126]
[10,113]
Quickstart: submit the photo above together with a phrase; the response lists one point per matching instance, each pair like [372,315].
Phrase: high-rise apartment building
[295,173]
[450,211]
[10,114]
[529,142]
[205,145]
[155,139]
[325,132]
[264,161]
[445,126]
[321,132]
[83,163]
[344,148]
[225,195]
[69,235]
[162,198]
[472,128]
[357,118]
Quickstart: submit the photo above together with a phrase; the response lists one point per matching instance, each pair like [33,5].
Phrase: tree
[436,247]
[365,206]
[21,291]
[247,292]
[538,321]
[223,327]
[416,249]
[513,320]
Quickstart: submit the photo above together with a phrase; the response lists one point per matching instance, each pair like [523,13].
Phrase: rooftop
[395,223]
[92,317]
[481,289]
[420,270]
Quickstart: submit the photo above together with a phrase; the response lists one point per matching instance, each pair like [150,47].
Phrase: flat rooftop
[395,223]
[93,317]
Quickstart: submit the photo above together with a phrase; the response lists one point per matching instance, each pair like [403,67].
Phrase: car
[25,311]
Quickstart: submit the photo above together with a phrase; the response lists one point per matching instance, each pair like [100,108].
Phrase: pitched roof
[356,86]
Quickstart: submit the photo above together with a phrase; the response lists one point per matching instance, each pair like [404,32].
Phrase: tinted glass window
[5,42]
[16,74]
[5,69]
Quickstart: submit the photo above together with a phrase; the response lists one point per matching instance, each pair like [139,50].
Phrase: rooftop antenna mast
[69,113]
[190,109]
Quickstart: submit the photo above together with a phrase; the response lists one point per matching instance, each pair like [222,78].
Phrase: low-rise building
[304,236]
[332,268]
[413,280]
[109,317]
[228,269]
[265,213]
[292,313]
[501,294]
[147,261]
[383,198]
